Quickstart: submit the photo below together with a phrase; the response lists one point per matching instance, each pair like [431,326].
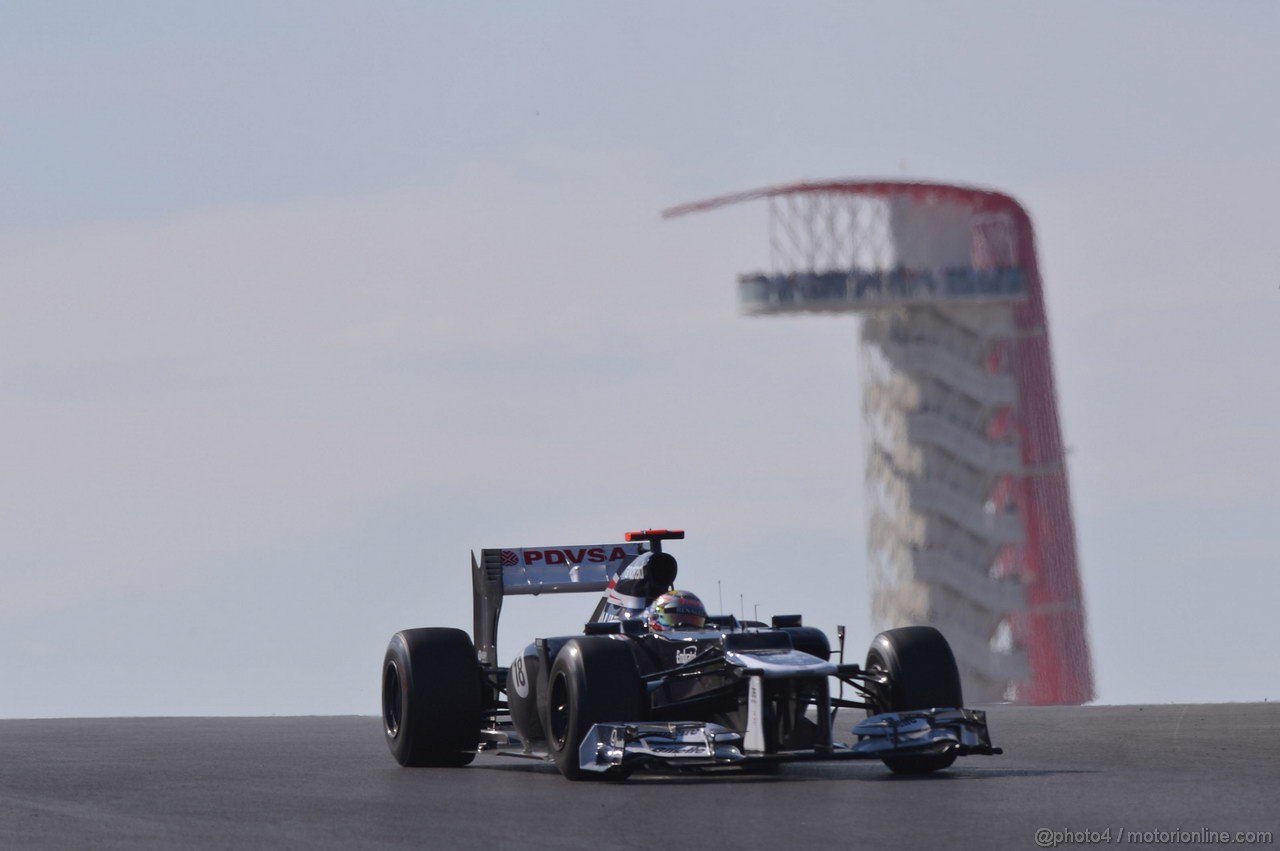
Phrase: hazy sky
[302,301]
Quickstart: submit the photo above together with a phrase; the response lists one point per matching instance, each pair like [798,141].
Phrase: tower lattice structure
[969,513]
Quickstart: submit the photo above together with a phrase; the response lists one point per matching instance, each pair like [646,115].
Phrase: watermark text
[1050,838]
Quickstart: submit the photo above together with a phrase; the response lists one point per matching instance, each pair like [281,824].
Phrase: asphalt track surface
[330,783]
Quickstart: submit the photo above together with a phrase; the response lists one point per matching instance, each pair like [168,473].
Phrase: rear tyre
[431,698]
[922,674]
[592,680]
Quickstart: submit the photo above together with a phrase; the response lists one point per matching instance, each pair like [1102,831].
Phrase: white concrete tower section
[969,525]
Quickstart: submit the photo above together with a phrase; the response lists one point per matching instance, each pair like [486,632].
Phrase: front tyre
[431,697]
[922,674]
[592,680]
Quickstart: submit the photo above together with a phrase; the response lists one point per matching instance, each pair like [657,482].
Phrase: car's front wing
[620,747]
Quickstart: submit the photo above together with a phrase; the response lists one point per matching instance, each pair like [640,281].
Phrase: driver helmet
[677,610]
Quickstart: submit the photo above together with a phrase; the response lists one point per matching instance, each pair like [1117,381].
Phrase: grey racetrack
[323,782]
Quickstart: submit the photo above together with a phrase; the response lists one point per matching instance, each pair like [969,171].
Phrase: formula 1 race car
[654,682]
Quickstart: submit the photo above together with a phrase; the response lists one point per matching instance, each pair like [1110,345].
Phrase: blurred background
[301,302]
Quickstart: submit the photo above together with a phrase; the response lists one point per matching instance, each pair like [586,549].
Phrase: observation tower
[969,525]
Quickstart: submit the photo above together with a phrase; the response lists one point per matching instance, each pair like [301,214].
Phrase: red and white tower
[969,521]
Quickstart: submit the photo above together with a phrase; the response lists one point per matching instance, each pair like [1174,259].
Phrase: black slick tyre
[592,680]
[922,674]
[431,697]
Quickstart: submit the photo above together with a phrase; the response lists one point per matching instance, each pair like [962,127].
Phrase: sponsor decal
[570,555]
[685,655]
[520,677]
[509,558]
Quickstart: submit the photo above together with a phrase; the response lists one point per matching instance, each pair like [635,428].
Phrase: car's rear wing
[548,570]
[539,570]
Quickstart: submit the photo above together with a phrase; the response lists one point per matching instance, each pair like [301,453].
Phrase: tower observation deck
[969,514]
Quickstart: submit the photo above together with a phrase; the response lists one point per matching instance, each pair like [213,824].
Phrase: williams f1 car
[653,682]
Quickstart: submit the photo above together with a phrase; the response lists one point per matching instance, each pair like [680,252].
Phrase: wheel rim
[882,696]
[392,700]
[559,711]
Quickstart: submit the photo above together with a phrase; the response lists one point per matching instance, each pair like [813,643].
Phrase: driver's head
[677,610]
